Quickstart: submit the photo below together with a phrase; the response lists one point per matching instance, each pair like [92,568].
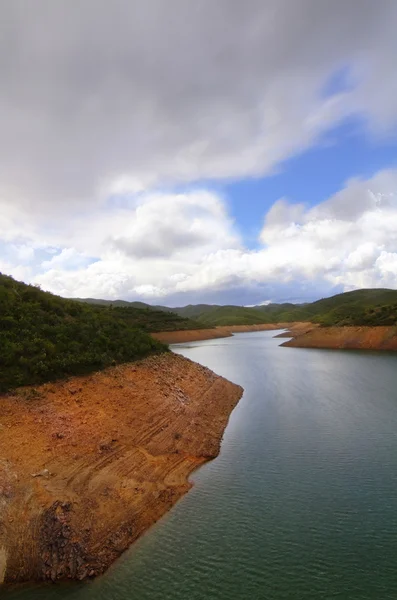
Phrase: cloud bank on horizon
[125,124]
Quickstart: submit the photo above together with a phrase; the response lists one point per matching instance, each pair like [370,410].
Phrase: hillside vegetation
[151,320]
[372,307]
[44,337]
[213,315]
[204,315]
[360,307]
[144,316]
[230,315]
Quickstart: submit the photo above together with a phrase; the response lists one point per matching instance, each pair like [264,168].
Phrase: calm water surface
[301,504]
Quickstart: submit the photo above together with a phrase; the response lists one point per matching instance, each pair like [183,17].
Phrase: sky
[237,151]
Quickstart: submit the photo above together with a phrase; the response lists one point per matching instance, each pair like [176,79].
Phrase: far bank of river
[347,338]
[303,335]
[195,335]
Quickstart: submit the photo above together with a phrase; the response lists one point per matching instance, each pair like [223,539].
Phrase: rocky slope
[88,464]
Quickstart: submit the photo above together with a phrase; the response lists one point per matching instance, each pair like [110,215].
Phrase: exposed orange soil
[295,329]
[360,338]
[88,464]
[195,335]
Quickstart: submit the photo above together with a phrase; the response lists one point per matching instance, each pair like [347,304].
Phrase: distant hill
[225,315]
[360,307]
[196,315]
[147,317]
[113,302]
[44,337]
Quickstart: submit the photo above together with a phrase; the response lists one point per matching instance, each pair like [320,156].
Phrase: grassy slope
[44,337]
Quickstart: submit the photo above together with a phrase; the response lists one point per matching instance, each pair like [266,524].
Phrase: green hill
[195,311]
[44,337]
[228,315]
[360,307]
[213,315]
[124,303]
[147,317]
[153,319]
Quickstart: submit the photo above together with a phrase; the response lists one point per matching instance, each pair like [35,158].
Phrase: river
[301,504]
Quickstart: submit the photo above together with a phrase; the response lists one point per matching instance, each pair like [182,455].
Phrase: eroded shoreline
[302,334]
[348,338]
[195,335]
[88,464]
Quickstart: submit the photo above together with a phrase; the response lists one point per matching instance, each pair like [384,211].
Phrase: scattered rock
[106,445]
[74,390]
[44,473]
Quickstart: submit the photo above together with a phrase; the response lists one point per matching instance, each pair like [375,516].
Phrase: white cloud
[165,225]
[102,104]
[119,97]
[185,246]
[350,239]
[68,259]
[22,253]
[151,248]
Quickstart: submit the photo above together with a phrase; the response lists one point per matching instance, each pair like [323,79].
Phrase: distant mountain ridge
[358,307]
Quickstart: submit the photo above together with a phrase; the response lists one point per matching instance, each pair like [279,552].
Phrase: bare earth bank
[295,329]
[195,335]
[88,464]
[359,338]
[304,334]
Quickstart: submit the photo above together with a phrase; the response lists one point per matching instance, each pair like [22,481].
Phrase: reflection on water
[301,504]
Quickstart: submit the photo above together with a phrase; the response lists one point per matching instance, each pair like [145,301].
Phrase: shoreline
[300,334]
[221,331]
[90,463]
[382,338]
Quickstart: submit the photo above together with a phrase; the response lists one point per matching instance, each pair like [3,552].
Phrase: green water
[301,504]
